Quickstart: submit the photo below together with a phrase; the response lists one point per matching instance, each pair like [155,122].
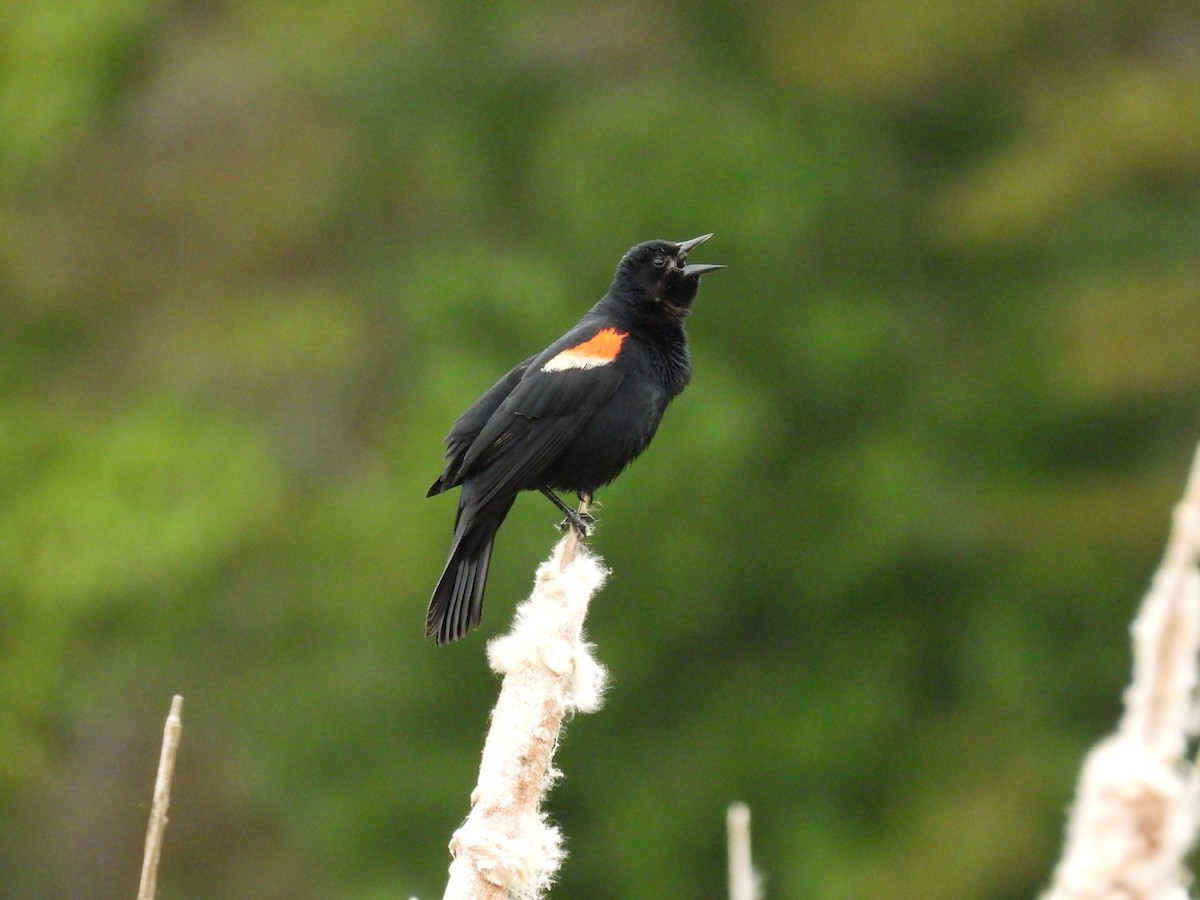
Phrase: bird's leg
[585,500]
[581,522]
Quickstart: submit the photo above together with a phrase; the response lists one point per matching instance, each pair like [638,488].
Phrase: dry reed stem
[162,796]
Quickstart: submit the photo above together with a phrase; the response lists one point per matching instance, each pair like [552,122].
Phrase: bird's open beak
[683,252]
[694,242]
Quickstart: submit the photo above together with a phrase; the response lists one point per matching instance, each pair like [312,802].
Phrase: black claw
[581,522]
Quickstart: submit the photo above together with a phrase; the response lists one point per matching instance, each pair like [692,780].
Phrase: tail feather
[457,603]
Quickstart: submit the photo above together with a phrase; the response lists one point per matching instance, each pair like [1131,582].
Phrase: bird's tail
[457,603]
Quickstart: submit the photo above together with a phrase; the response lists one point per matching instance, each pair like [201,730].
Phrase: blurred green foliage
[874,576]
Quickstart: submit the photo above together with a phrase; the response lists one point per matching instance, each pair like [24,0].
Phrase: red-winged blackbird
[570,418]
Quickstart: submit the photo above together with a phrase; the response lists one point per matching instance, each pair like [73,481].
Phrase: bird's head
[654,277]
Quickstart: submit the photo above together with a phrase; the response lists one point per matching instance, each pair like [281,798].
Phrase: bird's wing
[559,393]
[466,428]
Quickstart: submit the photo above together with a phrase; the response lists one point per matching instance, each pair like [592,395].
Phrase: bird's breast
[613,437]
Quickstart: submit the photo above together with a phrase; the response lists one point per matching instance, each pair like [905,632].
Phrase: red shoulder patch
[595,351]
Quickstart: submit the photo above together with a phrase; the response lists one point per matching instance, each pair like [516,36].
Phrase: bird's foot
[583,523]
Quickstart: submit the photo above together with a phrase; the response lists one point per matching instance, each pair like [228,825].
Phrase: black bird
[569,418]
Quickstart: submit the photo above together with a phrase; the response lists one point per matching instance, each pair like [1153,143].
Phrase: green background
[875,574]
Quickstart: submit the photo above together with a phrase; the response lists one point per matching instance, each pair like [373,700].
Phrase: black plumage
[570,418]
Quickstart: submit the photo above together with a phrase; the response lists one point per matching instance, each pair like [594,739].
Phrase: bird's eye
[659,262]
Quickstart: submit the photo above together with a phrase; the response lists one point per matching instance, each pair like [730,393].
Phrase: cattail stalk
[1135,812]
[507,848]
[743,881]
